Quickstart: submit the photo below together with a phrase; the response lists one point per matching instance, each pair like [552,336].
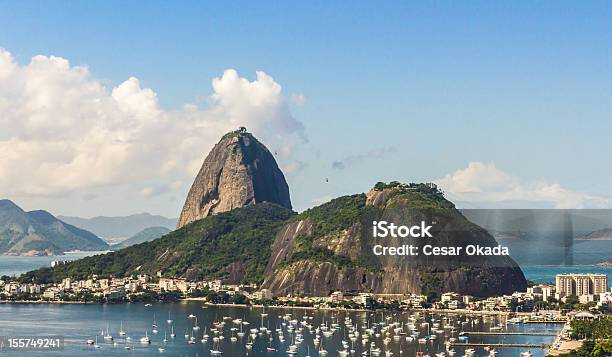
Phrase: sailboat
[96,345]
[204,336]
[270,348]
[154,324]
[145,338]
[263,314]
[216,350]
[196,327]
[169,321]
[121,330]
[108,336]
[322,351]
[240,333]
[172,334]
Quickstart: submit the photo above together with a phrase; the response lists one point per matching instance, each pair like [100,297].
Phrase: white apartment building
[580,284]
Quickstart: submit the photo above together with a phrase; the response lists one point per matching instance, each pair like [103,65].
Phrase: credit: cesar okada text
[384,229]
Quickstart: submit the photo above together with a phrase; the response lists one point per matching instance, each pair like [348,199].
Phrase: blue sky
[396,90]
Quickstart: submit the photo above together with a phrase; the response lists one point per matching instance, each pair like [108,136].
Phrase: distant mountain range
[146,235]
[122,226]
[40,233]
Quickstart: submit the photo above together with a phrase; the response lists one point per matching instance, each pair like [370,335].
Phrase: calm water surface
[81,322]
[17,265]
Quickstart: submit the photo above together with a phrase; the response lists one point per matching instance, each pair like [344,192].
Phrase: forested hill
[233,245]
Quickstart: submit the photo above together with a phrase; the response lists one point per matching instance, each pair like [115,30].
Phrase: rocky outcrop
[329,248]
[238,171]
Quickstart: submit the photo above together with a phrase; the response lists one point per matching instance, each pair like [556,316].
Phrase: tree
[603,348]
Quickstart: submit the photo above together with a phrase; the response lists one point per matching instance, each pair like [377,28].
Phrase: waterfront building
[262,294]
[580,284]
[605,299]
[450,296]
[336,296]
[50,294]
[365,299]
[214,285]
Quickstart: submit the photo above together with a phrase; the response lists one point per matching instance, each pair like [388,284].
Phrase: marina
[190,328]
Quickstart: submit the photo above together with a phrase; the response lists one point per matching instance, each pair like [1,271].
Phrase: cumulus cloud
[356,159]
[485,183]
[63,130]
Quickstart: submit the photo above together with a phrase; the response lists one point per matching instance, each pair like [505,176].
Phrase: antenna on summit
[241,130]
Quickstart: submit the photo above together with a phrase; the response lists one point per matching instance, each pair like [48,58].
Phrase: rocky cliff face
[329,248]
[239,171]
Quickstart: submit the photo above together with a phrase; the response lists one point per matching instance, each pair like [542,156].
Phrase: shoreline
[30,302]
[564,345]
[280,307]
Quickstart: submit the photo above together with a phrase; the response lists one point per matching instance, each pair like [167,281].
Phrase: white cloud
[481,183]
[63,130]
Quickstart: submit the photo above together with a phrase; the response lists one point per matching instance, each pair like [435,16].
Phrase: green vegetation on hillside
[236,242]
[40,231]
[330,220]
[431,286]
[419,195]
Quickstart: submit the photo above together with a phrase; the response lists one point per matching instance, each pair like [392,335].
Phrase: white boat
[121,330]
[145,338]
[216,350]
[108,336]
